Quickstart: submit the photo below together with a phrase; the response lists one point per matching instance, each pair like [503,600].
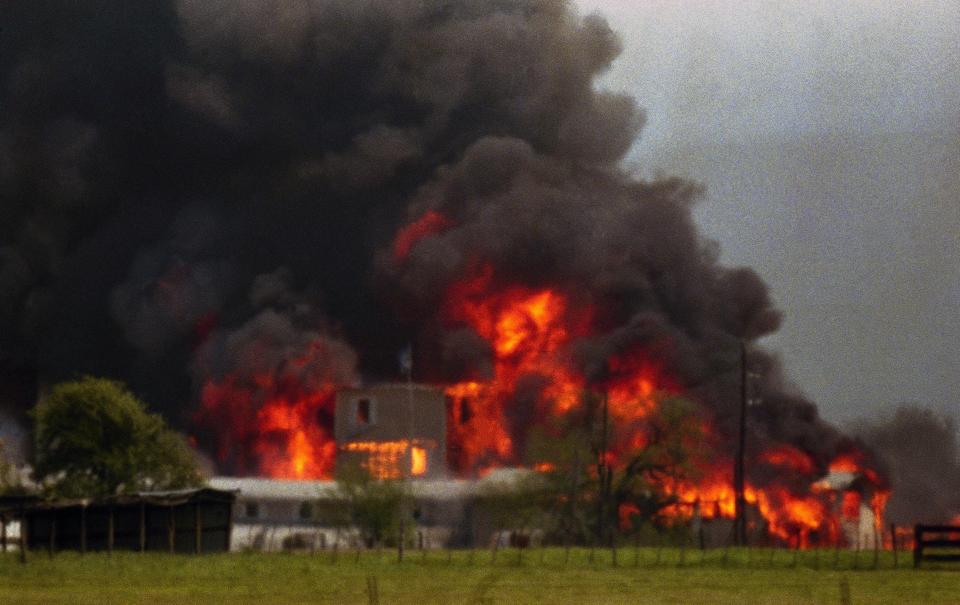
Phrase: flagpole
[407,363]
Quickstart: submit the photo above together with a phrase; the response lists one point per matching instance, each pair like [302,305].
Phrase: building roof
[310,489]
[276,489]
[161,498]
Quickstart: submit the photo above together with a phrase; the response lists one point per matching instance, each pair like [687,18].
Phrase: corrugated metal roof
[295,489]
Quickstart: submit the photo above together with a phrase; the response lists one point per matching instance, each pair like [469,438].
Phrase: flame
[303,450]
[418,461]
[788,457]
[271,422]
[845,463]
[531,332]
[430,223]
[528,331]
[383,459]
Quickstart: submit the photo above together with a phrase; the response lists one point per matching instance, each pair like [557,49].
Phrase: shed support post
[143,526]
[53,532]
[83,528]
[229,526]
[110,530]
[171,529]
[23,536]
[198,529]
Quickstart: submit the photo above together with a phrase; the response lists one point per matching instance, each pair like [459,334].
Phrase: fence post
[893,544]
[917,545]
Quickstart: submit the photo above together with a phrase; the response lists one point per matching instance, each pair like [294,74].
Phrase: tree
[564,451]
[374,506]
[93,438]
[588,494]
[674,442]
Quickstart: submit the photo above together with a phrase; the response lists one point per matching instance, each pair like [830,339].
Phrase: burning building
[392,430]
[300,197]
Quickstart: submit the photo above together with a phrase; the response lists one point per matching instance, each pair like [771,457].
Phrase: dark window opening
[251,510]
[363,411]
[466,412]
[306,510]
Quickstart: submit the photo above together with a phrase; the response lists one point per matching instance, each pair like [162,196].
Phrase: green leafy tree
[374,507]
[95,438]
[586,496]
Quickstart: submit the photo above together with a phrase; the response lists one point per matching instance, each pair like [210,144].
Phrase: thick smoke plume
[199,195]
[921,449]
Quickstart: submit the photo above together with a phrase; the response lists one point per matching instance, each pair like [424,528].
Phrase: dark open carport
[182,521]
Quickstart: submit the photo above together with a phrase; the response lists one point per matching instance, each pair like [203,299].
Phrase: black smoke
[921,449]
[170,169]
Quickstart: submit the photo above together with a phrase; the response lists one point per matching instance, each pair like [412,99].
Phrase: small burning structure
[392,430]
[857,500]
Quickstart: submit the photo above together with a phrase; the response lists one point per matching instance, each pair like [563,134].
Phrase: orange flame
[384,459]
[430,223]
[789,457]
[528,332]
[268,422]
[418,461]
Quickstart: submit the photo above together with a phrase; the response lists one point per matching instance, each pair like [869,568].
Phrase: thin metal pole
[740,523]
[602,473]
[408,459]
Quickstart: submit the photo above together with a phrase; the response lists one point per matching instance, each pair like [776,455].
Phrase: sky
[827,135]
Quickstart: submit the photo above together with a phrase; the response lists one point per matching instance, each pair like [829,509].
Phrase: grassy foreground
[641,576]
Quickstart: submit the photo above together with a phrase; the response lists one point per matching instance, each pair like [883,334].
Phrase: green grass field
[641,576]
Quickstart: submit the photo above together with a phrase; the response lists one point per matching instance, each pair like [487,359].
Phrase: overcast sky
[828,137]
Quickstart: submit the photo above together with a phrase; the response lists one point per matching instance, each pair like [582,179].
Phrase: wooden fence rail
[942,537]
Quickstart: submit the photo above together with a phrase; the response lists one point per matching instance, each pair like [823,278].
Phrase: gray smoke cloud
[921,449]
[161,160]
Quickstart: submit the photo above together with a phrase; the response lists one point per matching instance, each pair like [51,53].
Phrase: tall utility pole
[740,523]
[603,474]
